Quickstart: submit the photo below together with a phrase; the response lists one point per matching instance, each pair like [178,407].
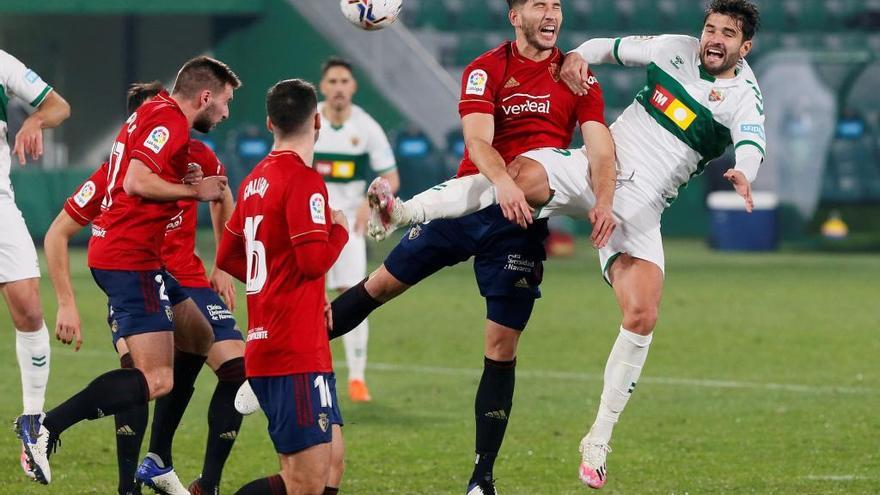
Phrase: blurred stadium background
[815,59]
[763,378]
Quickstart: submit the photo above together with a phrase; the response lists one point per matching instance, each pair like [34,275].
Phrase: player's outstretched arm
[632,51]
[67,322]
[603,175]
[140,180]
[51,113]
[479,132]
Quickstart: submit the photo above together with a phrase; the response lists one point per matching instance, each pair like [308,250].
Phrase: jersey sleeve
[631,51]
[748,134]
[21,81]
[479,84]
[591,106]
[306,210]
[159,138]
[85,204]
[204,157]
[235,224]
[381,156]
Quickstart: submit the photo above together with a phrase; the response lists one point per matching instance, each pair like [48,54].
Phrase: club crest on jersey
[476,83]
[85,194]
[355,141]
[323,422]
[554,71]
[716,95]
[157,139]
[531,104]
[673,108]
[317,208]
[415,232]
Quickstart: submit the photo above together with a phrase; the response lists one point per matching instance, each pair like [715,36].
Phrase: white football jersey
[17,80]
[349,155]
[683,117]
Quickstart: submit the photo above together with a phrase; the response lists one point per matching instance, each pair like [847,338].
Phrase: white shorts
[351,266]
[638,221]
[18,257]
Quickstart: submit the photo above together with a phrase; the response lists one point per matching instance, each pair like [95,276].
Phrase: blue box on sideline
[734,229]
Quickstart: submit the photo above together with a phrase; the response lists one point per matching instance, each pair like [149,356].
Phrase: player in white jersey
[701,96]
[19,269]
[351,148]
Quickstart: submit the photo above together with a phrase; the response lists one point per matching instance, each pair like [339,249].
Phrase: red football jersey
[533,108]
[282,203]
[179,250]
[129,232]
[85,204]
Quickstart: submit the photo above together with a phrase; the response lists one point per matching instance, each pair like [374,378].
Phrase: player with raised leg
[148,163]
[281,241]
[351,146]
[19,268]
[701,96]
[512,101]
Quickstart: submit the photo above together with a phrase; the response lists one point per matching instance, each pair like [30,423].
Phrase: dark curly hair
[745,12]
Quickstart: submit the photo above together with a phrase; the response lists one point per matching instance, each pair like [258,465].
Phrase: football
[371,15]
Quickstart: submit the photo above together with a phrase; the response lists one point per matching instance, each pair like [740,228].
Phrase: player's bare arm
[221,212]
[67,321]
[603,174]
[51,113]
[479,131]
[141,181]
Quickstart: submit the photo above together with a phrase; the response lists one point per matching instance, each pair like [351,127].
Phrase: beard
[532,33]
[205,121]
[729,62]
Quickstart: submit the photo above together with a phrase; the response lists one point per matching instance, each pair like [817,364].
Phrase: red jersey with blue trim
[281,204]
[532,107]
[129,232]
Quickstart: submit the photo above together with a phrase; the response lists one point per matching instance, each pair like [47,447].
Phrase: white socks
[622,372]
[451,199]
[356,351]
[32,350]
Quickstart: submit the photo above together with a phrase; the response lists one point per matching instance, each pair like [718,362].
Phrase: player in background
[226,355]
[512,101]
[148,163]
[281,241]
[701,96]
[19,268]
[351,147]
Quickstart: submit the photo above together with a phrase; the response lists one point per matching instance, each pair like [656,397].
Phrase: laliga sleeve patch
[85,194]
[476,83]
[317,207]
[157,139]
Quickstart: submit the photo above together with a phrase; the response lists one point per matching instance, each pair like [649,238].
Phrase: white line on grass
[574,376]
[836,477]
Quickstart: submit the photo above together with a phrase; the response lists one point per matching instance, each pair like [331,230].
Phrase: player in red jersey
[148,163]
[281,241]
[512,101]
[178,254]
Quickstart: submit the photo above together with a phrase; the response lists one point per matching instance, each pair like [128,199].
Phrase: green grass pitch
[763,378]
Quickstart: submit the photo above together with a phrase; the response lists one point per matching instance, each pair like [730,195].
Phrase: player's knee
[382,286]
[29,318]
[641,319]
[532,180]
[160,381]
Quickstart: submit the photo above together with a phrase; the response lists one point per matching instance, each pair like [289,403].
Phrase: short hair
[744,12]
[516,3]
[290,104]
[138,93]
[335,62]
[202,73]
